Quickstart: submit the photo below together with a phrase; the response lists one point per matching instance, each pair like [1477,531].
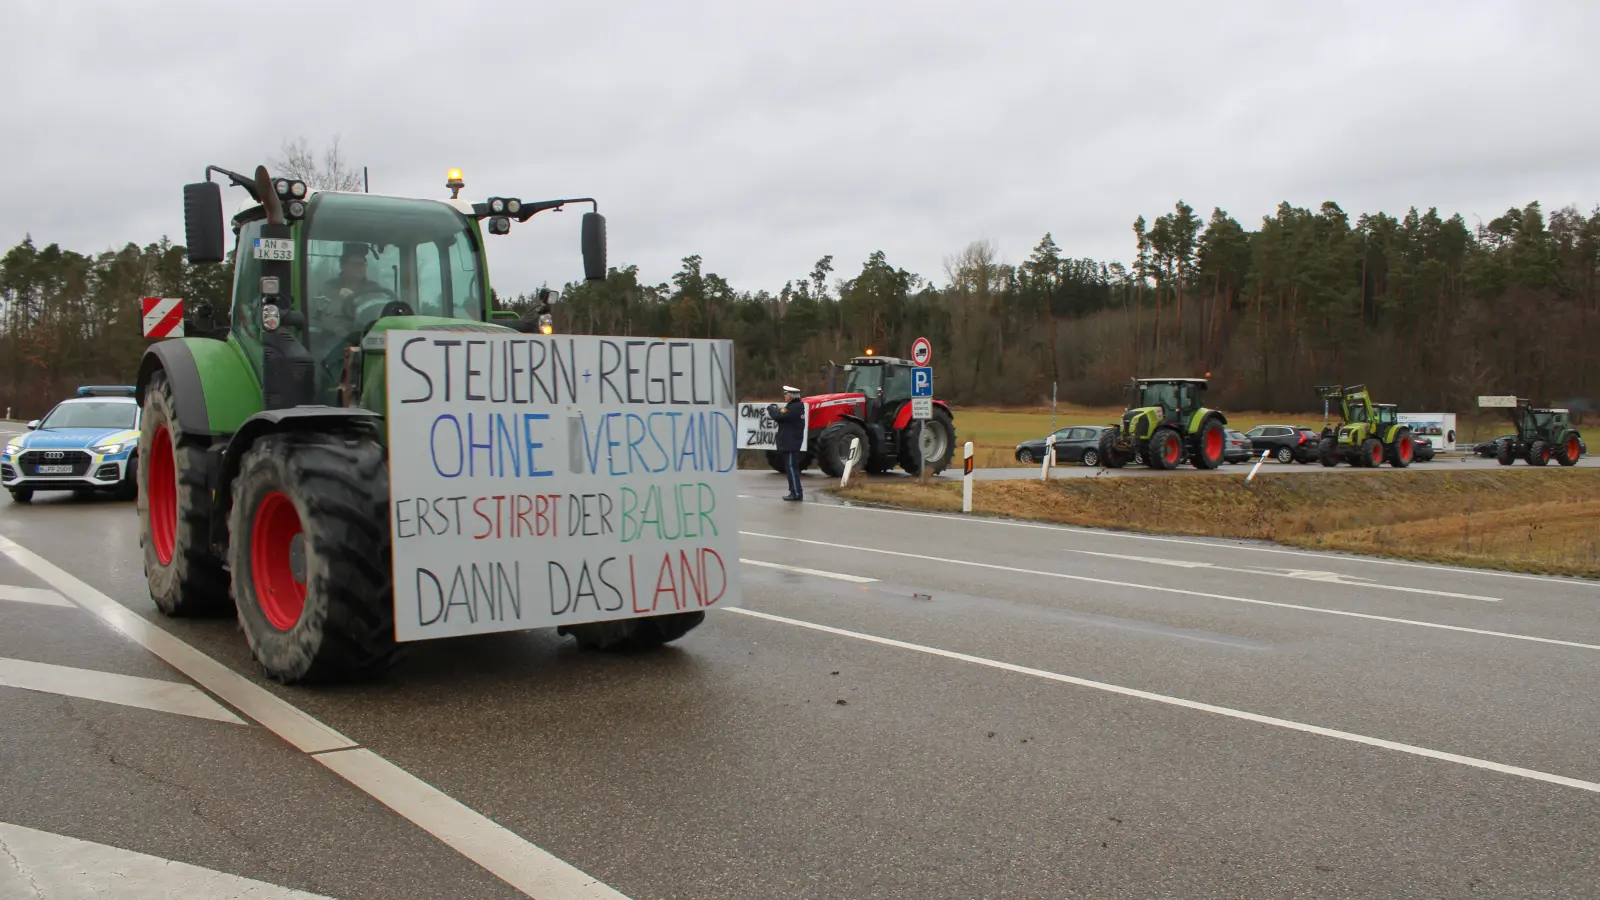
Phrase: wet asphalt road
[764,757]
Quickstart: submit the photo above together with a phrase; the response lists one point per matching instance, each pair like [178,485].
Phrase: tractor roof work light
[869,351]
[455,183]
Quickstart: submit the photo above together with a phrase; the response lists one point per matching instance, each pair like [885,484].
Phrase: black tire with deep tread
[1198,457]
[194,583]
[1538,453]
[631,635]
[775,461]
[1328,451]
[128,487]
[1158,438]
[911,460]
[1401,440]
[1504,454]
[833,446]
[1109,457]
[339,484]
[1365,452]
[1561,455]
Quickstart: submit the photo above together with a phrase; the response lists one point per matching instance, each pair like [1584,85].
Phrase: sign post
[922,407]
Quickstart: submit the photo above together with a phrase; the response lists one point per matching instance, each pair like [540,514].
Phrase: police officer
[791,421]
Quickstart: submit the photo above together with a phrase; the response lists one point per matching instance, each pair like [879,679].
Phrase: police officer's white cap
[790,389]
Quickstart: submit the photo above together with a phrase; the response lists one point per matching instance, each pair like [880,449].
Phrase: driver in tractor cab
[352,279]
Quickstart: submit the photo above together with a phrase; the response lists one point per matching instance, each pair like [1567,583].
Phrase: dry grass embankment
[1544,521]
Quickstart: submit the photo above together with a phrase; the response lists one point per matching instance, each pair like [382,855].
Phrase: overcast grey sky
[765,135]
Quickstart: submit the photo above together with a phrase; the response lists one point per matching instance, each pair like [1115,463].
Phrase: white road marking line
[1128,535]
[109,687]
[1352,737]
[526,867]
[1302,574]
[1172,590]
[41,596]
[513,859]
[43,864]
[856,579]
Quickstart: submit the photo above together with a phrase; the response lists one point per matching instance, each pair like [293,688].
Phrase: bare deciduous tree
[295,159]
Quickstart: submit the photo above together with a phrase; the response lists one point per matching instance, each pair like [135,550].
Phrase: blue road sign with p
[922,381]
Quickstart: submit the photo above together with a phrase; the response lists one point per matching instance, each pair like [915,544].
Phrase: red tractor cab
[875,408]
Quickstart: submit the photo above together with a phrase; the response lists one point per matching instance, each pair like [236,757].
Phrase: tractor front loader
[1165,426]
[1368,434]
[1542,434]
[264,455]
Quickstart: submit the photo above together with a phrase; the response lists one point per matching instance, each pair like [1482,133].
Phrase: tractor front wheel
[1209,445]
[935,440]
[1328,452]
[1109,454]
[630,635]
[1371,453]
[1165,449]
[310,556]
[174,509]
[833,446]
[1505,454]
[1538,453]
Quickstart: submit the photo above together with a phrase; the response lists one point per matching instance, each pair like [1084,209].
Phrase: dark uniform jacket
[791,419]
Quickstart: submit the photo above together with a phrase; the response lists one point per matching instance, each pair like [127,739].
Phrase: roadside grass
[1523,520]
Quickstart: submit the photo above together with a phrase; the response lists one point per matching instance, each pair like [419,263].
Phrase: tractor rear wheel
[1165,448]
[628,635]
[310,556]
[1569,452]
[174,509]
[1328,452]
[1538,453]
[775,460]
[1401,452]
[936,438]
[1209,445]
[833,446]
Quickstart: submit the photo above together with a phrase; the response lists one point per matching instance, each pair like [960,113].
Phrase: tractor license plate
[53,470]
[275,248]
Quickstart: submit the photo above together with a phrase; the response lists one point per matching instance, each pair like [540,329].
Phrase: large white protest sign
[541,480]
[757,430]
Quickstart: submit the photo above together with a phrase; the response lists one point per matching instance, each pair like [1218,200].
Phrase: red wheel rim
[1572,448]
[1377,453]
[1169,450]
[1405,450]
[1213,443]
[163,493]
[280,594]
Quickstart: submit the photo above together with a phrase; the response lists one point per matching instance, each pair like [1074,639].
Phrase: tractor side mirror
[33,425]
[594,246]
[202,222]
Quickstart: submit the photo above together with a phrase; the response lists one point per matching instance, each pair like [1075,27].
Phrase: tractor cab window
[1358,412]
[865,380]
[1162,395]
[1188,397]
[364,253]
[1386,415]
[896,384]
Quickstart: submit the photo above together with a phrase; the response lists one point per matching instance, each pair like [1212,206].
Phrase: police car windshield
[91,414]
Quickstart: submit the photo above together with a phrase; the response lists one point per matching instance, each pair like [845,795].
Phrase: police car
[86,443]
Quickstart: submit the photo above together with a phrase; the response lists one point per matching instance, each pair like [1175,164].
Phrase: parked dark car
[1237,448]
[1074,444]
[1421,449]
[1287,443]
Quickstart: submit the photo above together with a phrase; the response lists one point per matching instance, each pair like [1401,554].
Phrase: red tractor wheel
[1210,445]
[1571,451]
[1403,452]
[1165,449]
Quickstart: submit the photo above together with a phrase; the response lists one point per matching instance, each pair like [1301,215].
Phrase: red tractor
[875,406]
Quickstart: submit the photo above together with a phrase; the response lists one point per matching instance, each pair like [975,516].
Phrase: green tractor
[1368,434]
[1165,426]
[263,468]
[1542,434]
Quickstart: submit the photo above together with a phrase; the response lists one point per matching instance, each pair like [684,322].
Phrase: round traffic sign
[921,351]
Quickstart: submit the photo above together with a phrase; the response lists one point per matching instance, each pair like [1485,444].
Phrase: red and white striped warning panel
[163,317]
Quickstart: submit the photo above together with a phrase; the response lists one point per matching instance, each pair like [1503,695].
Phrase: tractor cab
[884,381]
[1177,398]
[1386,414]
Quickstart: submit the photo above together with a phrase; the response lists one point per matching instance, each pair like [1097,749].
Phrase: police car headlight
[13,447]
[110,448]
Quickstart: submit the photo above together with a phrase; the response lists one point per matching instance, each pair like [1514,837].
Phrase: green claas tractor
[1368,434]
[1542,434]
[263,468]
[1165,426]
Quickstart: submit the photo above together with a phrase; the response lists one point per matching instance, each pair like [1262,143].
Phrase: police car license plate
[53,470]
